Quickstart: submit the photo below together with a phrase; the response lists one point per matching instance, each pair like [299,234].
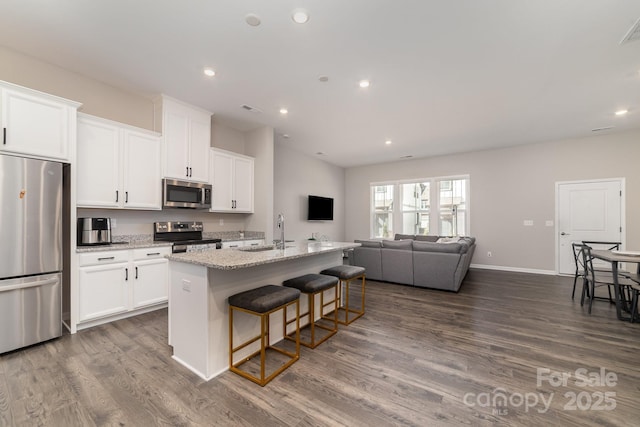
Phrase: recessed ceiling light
[209,72]
[621,112]
[252,19]
[300,16]
[388,142]
[284,111]
[285,135]
[364,83]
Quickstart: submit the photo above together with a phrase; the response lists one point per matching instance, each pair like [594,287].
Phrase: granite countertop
[134,244]
[233,259]
[138,241]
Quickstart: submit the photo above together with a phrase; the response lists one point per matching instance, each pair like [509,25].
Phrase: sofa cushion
[397,244]
[370,243]
[448,240]
[404,237]
[423,238]
[452,248]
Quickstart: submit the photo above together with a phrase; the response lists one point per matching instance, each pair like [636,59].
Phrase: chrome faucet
[280,224]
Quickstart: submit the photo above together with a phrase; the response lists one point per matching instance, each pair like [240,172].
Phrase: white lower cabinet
[150,282]
[117,284]
[242,243]
[103,290]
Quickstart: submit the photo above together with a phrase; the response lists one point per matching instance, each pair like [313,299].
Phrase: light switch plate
[528,222]
[548,223]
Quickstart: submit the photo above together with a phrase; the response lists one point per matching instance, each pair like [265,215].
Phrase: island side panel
[188,317]
[224,283]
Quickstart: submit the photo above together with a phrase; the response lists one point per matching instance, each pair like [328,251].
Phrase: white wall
[510,185]
[296,177]
[226,138]
[260,145]
[97,98]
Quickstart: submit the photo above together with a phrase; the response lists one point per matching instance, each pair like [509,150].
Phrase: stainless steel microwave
[184,194]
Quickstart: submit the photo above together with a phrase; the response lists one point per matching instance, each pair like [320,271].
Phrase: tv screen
[320,208]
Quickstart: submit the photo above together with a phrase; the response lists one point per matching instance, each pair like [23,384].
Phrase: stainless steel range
[185,235]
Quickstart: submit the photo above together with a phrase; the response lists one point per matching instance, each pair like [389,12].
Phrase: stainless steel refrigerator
[30,251]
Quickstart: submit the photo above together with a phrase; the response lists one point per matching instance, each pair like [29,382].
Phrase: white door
[243,185]
[589,211]
[142,175]
[34,125]
[199,147]
[99,177]
[150,282]
[221,180]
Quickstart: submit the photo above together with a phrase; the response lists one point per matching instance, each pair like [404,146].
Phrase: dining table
[615,258]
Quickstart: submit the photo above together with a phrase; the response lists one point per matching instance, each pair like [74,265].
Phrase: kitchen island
[202,281]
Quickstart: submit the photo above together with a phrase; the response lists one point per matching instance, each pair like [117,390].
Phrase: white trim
[623,215]
[513,269]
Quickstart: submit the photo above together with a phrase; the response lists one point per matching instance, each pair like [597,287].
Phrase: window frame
[434,203]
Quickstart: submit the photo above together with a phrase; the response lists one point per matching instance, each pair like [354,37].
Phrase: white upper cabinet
[118,166]
[36,124]
[187,139]
[232,181]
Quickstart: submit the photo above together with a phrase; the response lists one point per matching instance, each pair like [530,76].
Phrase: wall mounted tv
[320,208]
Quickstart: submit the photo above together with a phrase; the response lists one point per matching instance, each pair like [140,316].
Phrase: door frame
[623,213]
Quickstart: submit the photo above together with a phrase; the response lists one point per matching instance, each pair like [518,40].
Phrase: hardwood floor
[418,357]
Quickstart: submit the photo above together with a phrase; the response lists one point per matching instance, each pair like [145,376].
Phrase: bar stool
[262,302]
[347,273]
[313,284]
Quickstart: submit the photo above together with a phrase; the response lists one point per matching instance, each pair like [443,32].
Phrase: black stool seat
[344,272]
[264,298]
[311,283]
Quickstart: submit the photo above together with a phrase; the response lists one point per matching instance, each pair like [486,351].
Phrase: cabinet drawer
[151,253]
[107,257]
[255,242]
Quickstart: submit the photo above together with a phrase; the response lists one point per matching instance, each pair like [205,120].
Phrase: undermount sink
[257,248]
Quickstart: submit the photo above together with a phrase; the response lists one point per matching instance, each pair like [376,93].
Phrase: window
[382,208]
[437,206]
[415,207]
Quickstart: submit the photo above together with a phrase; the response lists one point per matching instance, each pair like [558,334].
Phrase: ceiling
[446,76]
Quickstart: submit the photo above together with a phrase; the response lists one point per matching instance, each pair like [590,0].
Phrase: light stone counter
[233,259]
[201,283]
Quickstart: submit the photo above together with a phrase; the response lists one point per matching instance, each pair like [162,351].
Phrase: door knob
[565,234]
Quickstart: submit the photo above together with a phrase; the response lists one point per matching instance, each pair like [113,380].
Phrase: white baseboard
[513,269]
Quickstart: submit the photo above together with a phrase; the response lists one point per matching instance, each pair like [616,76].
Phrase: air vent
[601,129]
[250,108]
[633,34]
[407,157]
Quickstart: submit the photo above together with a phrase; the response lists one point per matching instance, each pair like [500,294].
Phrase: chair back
[578,258]
[587,263]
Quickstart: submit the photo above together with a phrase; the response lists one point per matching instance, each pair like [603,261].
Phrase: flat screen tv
[320,208]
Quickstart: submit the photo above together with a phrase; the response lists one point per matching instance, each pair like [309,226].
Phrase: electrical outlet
[221,221]
[489,254]
[528,223]
[186,285]
[114,223]
[548,223]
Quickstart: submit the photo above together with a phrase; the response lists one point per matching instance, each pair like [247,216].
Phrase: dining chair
[596,278]
[579,263]
[634,289]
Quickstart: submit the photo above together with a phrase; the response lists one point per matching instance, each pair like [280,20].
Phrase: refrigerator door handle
[28,285]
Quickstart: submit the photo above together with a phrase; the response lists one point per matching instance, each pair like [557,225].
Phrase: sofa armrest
[436,270]
[370,259]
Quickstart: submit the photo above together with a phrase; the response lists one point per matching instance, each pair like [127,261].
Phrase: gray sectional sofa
[417,260]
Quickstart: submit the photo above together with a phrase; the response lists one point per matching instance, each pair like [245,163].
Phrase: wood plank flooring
[418,357]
